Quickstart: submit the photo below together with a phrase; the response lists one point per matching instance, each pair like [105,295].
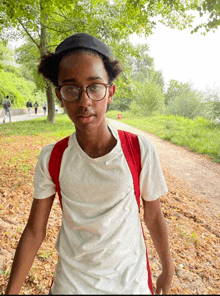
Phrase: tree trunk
[50,103]
[49,90]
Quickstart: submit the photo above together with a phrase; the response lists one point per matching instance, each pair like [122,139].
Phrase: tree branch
[59,31]
[61,15]
[29,35]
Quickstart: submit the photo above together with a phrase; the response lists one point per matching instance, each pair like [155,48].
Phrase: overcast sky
[186,57]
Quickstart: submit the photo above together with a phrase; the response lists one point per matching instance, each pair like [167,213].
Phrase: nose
[84,99]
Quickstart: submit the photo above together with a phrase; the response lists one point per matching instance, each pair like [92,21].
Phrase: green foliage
[146,84]
[148,97]
[210,8]
[121,103]
[212,102]
[47,22]
[28,56]
[143,67]
[13,82]
[12,69]
[6,55]
[18,89]
[181,99]
[142,63]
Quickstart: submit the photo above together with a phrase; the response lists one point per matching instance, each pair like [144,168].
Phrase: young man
[7,109]
[100,244]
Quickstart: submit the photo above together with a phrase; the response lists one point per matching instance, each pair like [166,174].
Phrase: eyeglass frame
[84,88]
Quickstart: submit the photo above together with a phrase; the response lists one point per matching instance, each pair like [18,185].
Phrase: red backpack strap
[132,153]
[55,163]
[131,149]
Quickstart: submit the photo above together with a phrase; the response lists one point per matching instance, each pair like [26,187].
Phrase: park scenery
[181,120]
[193,219]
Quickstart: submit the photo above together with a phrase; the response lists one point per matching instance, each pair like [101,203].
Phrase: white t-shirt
[100,244]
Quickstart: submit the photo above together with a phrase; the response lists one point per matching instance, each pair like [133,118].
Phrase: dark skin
[88,116]
[96,140]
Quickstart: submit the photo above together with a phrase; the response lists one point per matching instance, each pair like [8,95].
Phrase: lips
[85,118]
[85,115]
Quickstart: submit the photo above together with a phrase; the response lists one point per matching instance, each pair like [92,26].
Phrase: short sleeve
[152,182]
[43,185]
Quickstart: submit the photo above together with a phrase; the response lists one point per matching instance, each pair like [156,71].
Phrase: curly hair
[49,65]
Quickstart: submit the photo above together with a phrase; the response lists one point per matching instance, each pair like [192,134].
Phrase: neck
[96,143]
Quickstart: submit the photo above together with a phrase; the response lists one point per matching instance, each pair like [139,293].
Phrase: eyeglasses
[95,91]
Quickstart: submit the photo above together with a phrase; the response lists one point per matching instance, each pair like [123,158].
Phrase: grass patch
[199,134]
[39,126]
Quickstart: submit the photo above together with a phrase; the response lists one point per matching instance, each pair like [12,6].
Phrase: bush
[187,106]
[182,100]
[148,98]
[121,104]
[212,102]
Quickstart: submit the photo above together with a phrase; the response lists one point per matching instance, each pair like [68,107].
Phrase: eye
[71,89]
[95,87]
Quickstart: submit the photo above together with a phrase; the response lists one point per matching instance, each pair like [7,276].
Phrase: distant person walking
[36,106]
[29,106]
[6,105]
[44,105]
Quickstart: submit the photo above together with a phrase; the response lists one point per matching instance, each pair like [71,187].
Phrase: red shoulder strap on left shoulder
[131,149]
[55,163]
[132,153]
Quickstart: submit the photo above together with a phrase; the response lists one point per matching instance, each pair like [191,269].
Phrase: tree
[148,97]
[46,22]
[147,83]
[43,22]
[212,102]
[181,99]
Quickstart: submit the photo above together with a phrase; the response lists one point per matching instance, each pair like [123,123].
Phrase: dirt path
[198,171]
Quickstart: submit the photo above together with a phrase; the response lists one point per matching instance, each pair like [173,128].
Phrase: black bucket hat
[82,40]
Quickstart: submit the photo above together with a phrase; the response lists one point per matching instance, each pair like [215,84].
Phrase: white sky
[185,57]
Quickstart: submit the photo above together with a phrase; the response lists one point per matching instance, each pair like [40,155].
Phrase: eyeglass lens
[94,91]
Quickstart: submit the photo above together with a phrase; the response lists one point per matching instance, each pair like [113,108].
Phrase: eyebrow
[89,79]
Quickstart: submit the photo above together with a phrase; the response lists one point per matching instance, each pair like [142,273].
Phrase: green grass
[39,126]
[199,134]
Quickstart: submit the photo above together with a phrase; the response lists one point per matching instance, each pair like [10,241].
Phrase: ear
[111,93]
[58,95]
